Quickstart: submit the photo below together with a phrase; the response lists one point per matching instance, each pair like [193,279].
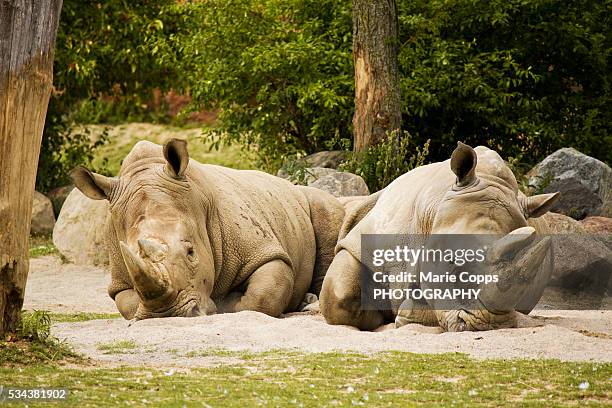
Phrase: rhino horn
[523,260]
[153,250]
[508,246]
[147,282]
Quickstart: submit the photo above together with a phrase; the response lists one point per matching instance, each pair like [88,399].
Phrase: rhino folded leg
[340,299]
[269,290]
[127,303]
[411,311]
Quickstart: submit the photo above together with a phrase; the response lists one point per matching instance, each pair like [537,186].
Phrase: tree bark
[27,40]
[377,91]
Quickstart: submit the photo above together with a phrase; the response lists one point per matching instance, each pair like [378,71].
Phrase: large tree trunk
[27,40]
[377,91]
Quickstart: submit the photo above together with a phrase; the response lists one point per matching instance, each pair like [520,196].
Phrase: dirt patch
[67,288]
[564,335]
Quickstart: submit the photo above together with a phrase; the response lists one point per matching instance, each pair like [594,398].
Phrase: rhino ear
[463,164]
[177,156]
[94,186]
[538,205]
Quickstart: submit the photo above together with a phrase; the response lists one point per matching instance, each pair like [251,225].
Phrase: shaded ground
[564,335]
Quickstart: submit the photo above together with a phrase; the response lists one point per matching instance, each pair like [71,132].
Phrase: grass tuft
[34,344]
[118,347]
[41,245]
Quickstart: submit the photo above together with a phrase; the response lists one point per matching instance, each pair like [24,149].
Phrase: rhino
[188,239]
[474,192]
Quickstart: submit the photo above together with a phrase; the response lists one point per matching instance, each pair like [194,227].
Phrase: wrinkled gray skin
[187,239]
[472,193]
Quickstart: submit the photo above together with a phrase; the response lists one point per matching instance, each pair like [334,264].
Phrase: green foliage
[35,326]
[63,148]
[386,161]
[103,51]
[280,70]
[34,343]
[104,71]
[524,77]
[41,245]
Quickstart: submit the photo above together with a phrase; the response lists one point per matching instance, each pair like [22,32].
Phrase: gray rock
[58,196]
[43,219]
[585,183]
[329,159]
[79,231]
[341,184]
[315,173]
[583,263]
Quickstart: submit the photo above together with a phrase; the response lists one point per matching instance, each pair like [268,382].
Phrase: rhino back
[406,206]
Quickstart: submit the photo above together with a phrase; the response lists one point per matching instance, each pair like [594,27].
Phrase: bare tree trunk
[377,91]
[27,40]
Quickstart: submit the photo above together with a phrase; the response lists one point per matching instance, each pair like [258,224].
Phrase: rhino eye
[190,251]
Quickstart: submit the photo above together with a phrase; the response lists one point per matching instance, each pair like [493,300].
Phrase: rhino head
[484,199]
[160,238]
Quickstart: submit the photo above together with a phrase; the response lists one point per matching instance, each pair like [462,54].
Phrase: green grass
[81,317]
[332,379]
[34,344]
[118,347]
[41,245]
[123,137]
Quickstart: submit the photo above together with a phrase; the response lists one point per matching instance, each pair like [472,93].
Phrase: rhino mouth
[184,305]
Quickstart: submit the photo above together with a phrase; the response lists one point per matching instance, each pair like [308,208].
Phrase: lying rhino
[472,193]
[187,239]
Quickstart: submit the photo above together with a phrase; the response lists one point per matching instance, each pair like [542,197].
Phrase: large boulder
[562,224]
[583,263]
[43,218]
[597,225]
[582,273]
[58,196]
[341,184]
[79,232]
[585,183]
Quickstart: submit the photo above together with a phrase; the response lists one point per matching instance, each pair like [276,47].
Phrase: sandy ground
[584,335]
[67,288]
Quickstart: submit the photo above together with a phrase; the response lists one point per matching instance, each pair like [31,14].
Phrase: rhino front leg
[340,299]
[269,290]
[127,302]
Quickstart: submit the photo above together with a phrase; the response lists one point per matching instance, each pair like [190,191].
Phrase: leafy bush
[524,77]
[280,70]
[384,162]
[105,69]
[64,148]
